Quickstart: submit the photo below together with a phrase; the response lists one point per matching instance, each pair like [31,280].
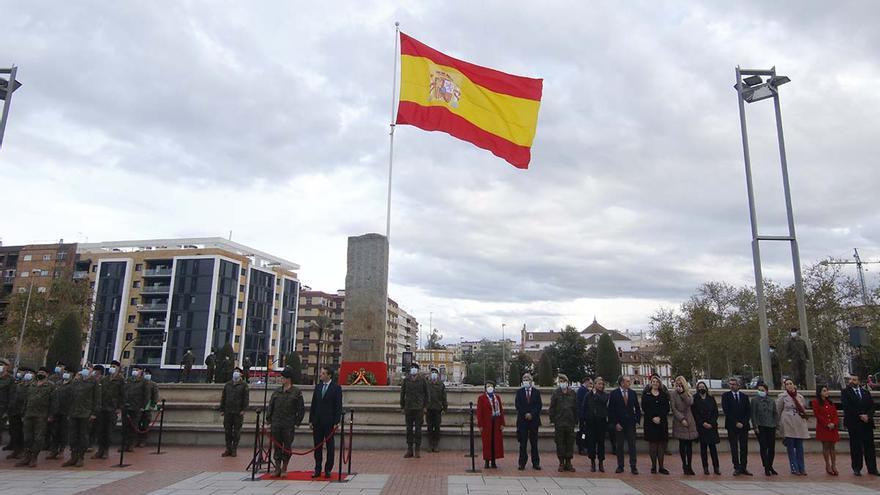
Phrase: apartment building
[155,298]
[33,265]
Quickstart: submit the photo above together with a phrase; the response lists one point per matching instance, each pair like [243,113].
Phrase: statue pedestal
[377,368]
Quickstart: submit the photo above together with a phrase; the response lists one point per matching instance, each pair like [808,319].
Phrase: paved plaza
[199,470]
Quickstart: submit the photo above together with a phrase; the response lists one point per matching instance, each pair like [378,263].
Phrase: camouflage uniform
[437,405]
[210,366]
[7,386]
[285,412]
[60,411]
[796,352]
[37,409]
[147,414]
[17,397]
[111,401]
[85,404]
[564,416]
[136,394]
[414,398]
[233,402]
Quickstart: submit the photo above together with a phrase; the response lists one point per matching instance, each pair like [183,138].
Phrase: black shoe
[327,474]
[494,466]
[593,466]
[773,472]
[486,465]
[873,473]
[653,470]
[736,472]
[619,469]
[521,467]
[746,472]
[663,471]
[767,472]
[536,467]
[706,470]
[634,470]
[601,466]
[857,473]
[316,474]
[718,471]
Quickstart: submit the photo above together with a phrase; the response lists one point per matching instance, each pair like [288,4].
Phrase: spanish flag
[490,109]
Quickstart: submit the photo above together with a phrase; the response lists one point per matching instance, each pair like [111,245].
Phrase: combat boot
[71,461]
[277,473]
[16,454]
[409,452]
[53,454]
[568,466]
[561,467]
[79,460]
[284,468]
[33,460]
[24,460]
[418,454]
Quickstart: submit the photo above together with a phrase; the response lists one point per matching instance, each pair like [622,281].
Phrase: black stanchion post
[473,468]
[161,427]
[350,435]
[256,445]
[124,441]
[341,444]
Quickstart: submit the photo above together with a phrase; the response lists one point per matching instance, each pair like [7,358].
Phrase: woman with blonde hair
[793,421]
[684,428]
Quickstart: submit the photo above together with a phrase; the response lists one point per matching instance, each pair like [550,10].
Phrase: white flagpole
[391,133]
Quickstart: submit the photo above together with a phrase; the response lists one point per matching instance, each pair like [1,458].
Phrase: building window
[91,285]
[241,288]
[60,256]
[26,257]
[129,336]
[94,268]
[44,273]
[131,318]
[41,290]
[25,274]
[273,342]
[237,339]
[136,284]
[240,304]
[238,322]
[138,267]
[126,354]
[243,272]
[275,311]
[134,301]
[47,257]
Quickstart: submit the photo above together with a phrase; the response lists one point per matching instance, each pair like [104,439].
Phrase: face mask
[761,393]
[58,369]
[28,376]
[434,376]
[19,375]
[112,370]
[490,390]
[563,385]
[772,351]
[793,335]
[148,377]
[413,371]
[2,369]
[65,376]
[527,384]
[41,377]
[236,376]
[702,391]
[85,373]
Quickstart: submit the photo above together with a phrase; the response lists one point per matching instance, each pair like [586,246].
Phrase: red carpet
[302,476]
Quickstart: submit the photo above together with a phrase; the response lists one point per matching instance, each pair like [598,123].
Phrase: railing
[152,307]
[81,274]
[159,325]
[156,289]
[157,272]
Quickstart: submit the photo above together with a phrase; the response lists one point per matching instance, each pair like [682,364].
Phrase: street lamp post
[6,90]
[751,89]
[27,307]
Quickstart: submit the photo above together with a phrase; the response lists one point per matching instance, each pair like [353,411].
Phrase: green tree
[607,360]
[520,365]
[66,345]
[293,360]
[569,354]
[434,340]
[546,370]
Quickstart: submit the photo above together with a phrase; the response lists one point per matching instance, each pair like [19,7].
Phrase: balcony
[157,325]
[157,272]
[143,308]
[156,289]
[80,274]
[152,341]
[8,280]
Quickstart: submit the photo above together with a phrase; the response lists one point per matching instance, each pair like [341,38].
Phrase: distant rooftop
[258,257]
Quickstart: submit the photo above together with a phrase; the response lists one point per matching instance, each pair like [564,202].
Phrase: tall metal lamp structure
[7,87]
[754,85]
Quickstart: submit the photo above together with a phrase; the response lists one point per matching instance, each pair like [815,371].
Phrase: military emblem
[444,87]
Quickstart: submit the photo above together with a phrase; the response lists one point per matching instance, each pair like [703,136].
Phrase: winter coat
[791,423]
[706,411]
[681,410]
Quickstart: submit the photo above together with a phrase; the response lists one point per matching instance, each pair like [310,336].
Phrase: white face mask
[236,376]
[413,371]
[85,373]
[135,373]
[28,376]
[2,368]
[490,390]
[148,377]
[761,393]
[527,384]
[19,375]
[434,376]
[65,376]
[563,385]
[58,369]
[112,370]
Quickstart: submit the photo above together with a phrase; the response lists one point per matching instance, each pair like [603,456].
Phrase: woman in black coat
[705,411]
[655,410]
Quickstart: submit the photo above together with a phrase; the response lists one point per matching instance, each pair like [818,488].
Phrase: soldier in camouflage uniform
[136,394]
[84,394]
[7,385]
[37,409]
[187,364]
[112,399]
[797,354]
[437,405]
[149,409]
[18,394]
[563,414]
[414,398]
[233,402]
[61,408]
[285,412]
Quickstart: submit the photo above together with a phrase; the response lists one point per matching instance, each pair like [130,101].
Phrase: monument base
[378,368]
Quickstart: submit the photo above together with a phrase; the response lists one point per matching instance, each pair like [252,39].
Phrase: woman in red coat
[490,419]
[826,428]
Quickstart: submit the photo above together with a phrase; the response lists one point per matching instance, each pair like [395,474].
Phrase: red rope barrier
[293,452]
[150,427]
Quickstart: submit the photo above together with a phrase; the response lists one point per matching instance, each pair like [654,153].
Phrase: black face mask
[702,391]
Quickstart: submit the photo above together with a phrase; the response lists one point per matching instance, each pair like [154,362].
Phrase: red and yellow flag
[488,108]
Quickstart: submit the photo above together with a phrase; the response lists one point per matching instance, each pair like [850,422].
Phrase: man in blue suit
[325,413]
[624,413]
[528,419]
[737,415]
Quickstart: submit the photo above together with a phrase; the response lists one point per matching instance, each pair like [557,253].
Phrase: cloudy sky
[270,119]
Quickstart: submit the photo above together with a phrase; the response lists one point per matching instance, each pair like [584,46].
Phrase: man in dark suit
[858,416]
[528,419]
[324,414]
[736,420]
[624,413]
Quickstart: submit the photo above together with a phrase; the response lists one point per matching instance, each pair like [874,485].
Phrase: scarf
[797,403]
[496,405]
